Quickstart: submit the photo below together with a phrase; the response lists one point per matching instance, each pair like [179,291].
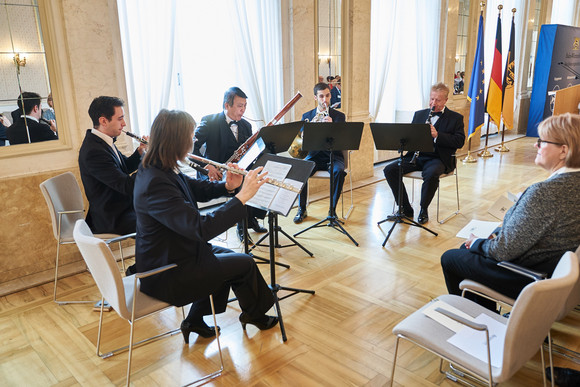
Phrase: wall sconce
[19,62]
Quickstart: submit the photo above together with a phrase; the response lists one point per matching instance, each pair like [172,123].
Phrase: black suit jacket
[324,155]
[215,133]
[170,229]
[16,133]
[451,136]
[108,186]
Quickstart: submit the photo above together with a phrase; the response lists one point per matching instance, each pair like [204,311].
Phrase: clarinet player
[448,135]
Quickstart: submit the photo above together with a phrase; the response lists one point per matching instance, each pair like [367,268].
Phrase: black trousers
[242,275]
[338,176]
[460,264]
[431,168]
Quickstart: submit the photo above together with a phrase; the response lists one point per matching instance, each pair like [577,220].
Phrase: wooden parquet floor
[341,336]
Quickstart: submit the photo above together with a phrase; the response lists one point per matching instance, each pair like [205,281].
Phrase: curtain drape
[148,55]
[182,54]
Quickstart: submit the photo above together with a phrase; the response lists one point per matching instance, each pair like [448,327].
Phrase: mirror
[461,48]
[25,80]
[329,48]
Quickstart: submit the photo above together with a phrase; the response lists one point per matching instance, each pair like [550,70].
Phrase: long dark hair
[170,139]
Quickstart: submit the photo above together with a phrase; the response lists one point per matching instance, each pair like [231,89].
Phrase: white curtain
[404,57]
[563,12]
[184,54]
[148,55]
[259,54]
[383,24]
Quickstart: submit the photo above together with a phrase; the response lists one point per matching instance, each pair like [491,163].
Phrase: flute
[243,172]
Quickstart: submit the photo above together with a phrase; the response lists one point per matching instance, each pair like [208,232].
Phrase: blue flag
[477,86]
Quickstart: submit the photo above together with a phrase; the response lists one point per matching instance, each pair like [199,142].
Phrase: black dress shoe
[240,233]
[564,377]
[423,216]
[201,328]
[262,323]
[131,270]
[300,215]
[255,225]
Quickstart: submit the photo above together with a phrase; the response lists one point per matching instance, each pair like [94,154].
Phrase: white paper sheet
[444,320]
[479,228]
[474,342]
[272,197]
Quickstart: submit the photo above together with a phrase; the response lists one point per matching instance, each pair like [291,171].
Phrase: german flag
[494,93]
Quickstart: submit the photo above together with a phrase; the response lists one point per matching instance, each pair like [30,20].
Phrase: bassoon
[252,139]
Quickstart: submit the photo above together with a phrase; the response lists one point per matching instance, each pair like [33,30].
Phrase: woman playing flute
[170,229]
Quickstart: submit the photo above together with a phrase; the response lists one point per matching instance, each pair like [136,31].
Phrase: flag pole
[502,147]
[485,152]
[469,158]
[476,87]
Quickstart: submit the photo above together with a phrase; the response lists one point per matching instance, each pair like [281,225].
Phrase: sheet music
[272,197]
[285,198]
[474,342]
[479,228]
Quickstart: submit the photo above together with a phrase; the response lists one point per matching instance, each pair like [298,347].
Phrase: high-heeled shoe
[262,323]
[202,329]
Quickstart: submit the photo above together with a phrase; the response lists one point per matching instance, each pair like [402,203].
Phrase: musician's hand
[142,147]
[434,132]
[252,183]
[214,174]
[5,121]
[233,180]
[327,119]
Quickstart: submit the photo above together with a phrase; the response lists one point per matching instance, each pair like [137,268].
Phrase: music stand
[299,172]
[331,136]
[277,139]
[402,137]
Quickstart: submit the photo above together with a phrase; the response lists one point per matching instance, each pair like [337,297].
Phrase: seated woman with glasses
[171,230]
[538,229]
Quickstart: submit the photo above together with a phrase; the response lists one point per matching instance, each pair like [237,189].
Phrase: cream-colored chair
[533,313]
[124,294]
[326,175]
[65,203]
[572,302]
[416,175]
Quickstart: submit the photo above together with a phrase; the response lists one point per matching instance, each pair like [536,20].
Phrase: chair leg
[56,271]
[457,197]
[394,361]
[122,257]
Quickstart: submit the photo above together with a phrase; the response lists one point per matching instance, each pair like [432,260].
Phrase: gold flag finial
[482,5]
[500,7]
[514,10]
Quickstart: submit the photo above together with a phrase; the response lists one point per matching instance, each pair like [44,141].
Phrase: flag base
[485,153]
[502,148]
[469,158]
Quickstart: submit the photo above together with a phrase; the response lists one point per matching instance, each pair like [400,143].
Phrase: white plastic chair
[65,203]
[326,175]
[124,294]
[416,175]
[533,313]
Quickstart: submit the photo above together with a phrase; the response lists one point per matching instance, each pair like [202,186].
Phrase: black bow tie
[438,114]
[232,122]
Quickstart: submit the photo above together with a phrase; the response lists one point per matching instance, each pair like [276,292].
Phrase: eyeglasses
[540,141]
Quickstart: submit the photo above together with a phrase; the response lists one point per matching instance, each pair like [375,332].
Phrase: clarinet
[428,121]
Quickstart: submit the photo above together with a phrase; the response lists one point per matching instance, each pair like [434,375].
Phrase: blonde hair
[171,137]
[564,129]
[441,87]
